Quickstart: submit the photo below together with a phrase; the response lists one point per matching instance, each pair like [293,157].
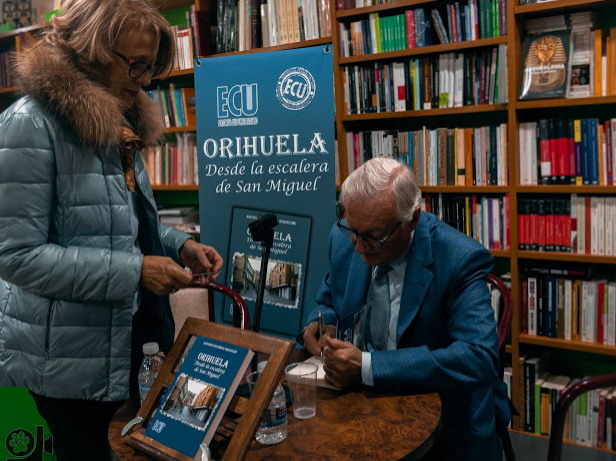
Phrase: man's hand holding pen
[312,338]
[341,360]
[342,363]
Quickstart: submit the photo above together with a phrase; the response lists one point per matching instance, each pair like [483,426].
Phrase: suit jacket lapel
[418,276]
[357,285]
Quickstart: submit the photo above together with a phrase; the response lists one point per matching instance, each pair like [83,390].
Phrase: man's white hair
[379,176]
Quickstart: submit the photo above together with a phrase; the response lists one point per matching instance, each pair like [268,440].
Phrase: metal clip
[205,452]
[130,424]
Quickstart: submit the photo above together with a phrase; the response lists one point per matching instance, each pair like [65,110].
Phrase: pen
[320,320]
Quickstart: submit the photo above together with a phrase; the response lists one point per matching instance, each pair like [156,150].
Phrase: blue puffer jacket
[68,275]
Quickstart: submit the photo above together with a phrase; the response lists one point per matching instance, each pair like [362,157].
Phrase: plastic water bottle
[273,426]
[150,366]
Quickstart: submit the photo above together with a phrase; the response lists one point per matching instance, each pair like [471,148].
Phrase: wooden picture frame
[237,429]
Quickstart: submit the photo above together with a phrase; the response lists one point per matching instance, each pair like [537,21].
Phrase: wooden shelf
[180,73]
[395,5]
[571,189]
[501,253]
[425,113]
[22,30]
[559,6]
[175,187]
[592,348]
[180,129]
[573,102]
[571,257]
[287,46]
[432,49]
[8,89]
[465,189]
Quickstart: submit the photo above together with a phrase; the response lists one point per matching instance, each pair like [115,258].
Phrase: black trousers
[78,427]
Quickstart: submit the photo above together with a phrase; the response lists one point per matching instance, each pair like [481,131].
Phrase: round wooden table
[353,426]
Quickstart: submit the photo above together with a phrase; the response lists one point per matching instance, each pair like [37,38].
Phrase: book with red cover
[541,225]
[534,225]
[562,151]
[409,20]
[549,226]
[544,151]
[600,309]
[553,149]
[202,30]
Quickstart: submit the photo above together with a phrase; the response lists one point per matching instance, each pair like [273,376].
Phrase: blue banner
[265,136]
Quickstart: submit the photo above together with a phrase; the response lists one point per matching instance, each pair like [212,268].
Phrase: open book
[191,409]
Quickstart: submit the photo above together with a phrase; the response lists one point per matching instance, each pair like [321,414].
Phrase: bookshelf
[513,112]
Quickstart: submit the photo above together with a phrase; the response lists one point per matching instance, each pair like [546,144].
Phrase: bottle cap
[261,366]
[150,348]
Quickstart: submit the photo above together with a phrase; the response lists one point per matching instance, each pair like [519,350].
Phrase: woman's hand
[201,259]
[162,275]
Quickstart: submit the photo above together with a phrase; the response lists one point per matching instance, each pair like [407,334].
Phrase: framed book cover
[286,267]
[545,65]
[190,357]
[191,408]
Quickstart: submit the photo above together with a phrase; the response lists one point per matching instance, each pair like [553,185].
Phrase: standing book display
[192,401]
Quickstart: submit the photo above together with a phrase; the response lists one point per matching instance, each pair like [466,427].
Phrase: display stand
[237,429]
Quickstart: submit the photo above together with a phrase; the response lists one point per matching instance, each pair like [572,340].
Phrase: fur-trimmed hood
[53,79]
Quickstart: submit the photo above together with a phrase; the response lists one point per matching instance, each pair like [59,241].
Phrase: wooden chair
[504,312]
[198,301]
[569,394]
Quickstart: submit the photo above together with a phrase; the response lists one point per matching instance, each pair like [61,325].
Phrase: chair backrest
[198,301]
[505,310]
[567,397]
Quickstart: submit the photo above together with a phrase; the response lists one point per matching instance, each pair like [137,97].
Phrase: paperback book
[191,409]
[545,65]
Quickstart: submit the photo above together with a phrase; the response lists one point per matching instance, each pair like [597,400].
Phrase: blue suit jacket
[446,332]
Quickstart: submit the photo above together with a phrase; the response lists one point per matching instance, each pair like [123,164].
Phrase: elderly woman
[85,266]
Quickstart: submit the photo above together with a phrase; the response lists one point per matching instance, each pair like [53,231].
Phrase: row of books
[528,2]
[486,219]
[174,162]
[185,219]
[591,419]
[177,105]
[184,47]
[571,304]
[253,24]
[417,28]
[442,81]
[577,224]
[568,151]
[7,78]
[444,156]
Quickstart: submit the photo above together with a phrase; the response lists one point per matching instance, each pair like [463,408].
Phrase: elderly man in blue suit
[417,288]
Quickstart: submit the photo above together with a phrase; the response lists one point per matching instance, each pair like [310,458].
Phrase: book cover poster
[284,281]
[545,65]
[193,405]
[265,140]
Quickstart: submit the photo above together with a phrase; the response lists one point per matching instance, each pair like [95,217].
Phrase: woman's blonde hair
[89,29]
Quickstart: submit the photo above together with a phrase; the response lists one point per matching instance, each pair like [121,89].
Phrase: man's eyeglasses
[137,68]
[368,239]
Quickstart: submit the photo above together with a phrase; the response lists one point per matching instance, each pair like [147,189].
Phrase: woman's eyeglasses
[137,68]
